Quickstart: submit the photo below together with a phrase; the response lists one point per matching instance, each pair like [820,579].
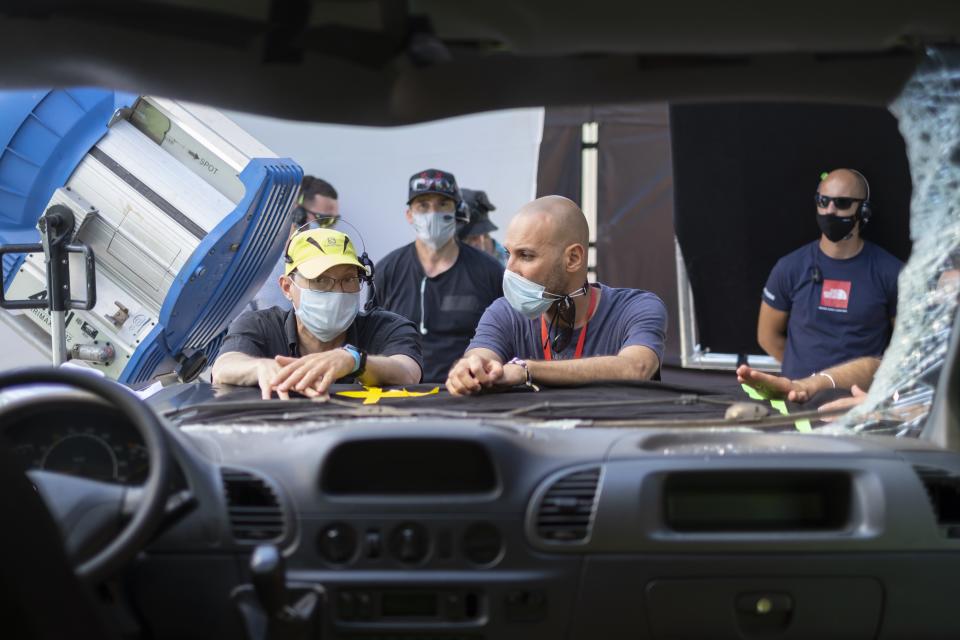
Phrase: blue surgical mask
[434,229]
[327,314]
[528,298]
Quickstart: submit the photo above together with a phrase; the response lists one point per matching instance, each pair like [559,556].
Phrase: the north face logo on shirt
[835,294]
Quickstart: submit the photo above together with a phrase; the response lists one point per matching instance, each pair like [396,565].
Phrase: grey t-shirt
[624,317]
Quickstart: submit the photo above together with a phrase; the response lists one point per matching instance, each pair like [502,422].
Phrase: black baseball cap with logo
[433,181]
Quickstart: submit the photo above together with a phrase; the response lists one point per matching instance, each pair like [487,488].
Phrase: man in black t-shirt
[441,285]
[321,340]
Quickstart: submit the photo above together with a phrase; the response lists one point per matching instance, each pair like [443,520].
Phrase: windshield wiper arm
[684,399]
[775,420]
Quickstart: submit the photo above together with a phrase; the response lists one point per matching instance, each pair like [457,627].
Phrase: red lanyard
[544,334]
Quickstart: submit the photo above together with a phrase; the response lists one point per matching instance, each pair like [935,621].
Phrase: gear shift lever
[269,579]
[270,608]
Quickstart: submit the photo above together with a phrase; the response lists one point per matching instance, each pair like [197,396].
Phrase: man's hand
[774,386]
[312,374]
[475,372]
[266,371]
[859,395]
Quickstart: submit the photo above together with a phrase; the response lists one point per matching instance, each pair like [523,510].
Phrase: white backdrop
[369,167]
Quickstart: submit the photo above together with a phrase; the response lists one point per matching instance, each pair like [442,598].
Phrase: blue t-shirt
[623,317]
[845,315]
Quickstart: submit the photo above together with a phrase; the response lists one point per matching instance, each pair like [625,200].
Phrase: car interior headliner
[381,62]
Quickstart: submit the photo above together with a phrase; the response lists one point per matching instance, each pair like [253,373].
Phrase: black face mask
[835,227]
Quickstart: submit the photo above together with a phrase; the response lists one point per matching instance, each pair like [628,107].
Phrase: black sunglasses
[320,220]
[843,203]
[561,326]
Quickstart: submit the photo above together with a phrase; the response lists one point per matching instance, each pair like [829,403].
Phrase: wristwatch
[528,379]
[359,358]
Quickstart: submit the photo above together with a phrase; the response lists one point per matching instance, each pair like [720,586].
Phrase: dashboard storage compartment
[409,467]
[770,608]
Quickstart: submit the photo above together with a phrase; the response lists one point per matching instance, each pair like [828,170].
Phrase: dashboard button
[337,543]
[453,606]
[524,605]
[372,543]
[346,606]
[364,605]
[409,543]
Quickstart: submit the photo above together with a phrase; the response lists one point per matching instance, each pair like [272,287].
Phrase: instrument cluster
[93,444]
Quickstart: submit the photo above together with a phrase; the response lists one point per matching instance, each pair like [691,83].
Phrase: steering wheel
[90,512]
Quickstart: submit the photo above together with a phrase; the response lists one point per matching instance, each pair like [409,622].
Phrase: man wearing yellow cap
[323,339]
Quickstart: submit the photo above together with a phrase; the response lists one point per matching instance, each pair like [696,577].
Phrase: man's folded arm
[858,372]
[234,367]
[635,362]
[396,369]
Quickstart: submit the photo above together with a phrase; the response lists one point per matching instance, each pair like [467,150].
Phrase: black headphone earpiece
[864,211]
[299,215]
[286,251]
[368,278]
[367,266]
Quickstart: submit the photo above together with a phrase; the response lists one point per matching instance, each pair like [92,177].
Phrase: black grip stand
[56,227]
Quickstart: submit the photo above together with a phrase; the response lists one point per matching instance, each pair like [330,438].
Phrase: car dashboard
[446,527]
[456,528]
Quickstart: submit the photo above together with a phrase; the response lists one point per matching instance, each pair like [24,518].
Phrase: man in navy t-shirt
[834,299]
[438,283]
[551,326]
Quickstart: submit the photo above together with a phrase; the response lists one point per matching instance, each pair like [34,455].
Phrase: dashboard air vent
[566,510]
[943,489]
[253,507]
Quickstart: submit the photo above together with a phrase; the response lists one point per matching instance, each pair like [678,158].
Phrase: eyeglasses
[433,184]
[301,216]
[561,326]
[320,220]
[843,203]
[327,284]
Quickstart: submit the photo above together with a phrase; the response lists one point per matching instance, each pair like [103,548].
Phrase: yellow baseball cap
[314,251]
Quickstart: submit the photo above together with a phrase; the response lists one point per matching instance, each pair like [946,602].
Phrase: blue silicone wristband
[356,358]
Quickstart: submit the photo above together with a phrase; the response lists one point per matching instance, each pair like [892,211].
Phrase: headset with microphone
[364,259]
[864,211]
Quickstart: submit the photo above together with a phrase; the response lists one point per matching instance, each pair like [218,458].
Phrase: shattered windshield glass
[928,111]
